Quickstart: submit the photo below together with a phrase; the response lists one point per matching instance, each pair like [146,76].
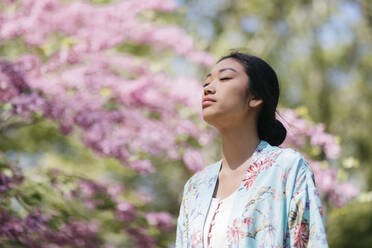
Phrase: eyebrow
[221,70]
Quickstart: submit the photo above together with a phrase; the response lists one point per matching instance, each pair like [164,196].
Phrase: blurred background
[100,115]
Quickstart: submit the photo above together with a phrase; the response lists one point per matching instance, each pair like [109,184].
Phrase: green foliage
[133,48]
[38,136]
[351,226]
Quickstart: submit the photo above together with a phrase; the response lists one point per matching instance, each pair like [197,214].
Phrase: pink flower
[125,211]
[143,196]
[234,232]
[162,220]
[196,238]
[193,159]
[248,221]
[143,166]
[301,235]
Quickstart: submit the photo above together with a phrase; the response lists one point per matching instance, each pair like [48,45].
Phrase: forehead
[227,63]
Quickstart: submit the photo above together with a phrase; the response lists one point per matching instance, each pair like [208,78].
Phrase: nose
[208,90]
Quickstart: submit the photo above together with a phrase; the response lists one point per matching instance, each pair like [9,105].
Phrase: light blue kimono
[277,203]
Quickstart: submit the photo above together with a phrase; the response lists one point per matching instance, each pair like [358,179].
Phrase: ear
[254,102]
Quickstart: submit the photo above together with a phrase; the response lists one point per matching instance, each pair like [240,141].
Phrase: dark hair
[264,85]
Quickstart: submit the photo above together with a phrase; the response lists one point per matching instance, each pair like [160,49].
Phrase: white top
[219,212]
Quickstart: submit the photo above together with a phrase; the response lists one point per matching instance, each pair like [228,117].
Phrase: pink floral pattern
[233,233]
[301,235]
[196,238]
[257,167]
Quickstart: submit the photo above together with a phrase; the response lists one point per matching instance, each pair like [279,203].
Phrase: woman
[258,194]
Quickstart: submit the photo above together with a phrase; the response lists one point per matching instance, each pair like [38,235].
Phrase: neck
[238,145]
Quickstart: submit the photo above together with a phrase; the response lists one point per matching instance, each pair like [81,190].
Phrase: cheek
[233,97]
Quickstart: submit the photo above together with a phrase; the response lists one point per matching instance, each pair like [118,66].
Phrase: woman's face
[226,84]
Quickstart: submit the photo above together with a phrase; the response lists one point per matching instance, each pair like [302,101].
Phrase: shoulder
[292,160]
[298,175]
[202,175]
[284,157]
[294,165]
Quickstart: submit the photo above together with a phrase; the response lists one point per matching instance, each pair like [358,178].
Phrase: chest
[226,186]
[256,213]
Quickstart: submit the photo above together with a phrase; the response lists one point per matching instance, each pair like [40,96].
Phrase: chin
[207,117]
[210,117]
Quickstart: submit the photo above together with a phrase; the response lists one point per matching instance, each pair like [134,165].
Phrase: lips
[207,101]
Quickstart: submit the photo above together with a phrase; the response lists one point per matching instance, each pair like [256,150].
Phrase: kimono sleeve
[182,220]
[305,226]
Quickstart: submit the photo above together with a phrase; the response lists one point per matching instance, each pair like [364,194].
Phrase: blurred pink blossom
[162,220]
[193,159]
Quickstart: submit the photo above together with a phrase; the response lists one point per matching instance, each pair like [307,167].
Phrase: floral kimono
[277,203]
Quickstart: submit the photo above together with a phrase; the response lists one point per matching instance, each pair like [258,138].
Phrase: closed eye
[223,79]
